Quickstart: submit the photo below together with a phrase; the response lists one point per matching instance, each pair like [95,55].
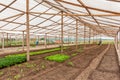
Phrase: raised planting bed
[57,57]
[10,60]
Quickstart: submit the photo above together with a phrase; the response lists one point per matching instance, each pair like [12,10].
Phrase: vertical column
[7,39]
[89,35]
[76,35]
[38,39]
[84,34]
[27,30]
[45,40]
[118,39]
[3,41]
[61,31]
[93,36]
[55,40]
[23,41]
[68,40]
[59,40]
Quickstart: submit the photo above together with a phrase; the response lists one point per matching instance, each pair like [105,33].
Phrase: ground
[40,69]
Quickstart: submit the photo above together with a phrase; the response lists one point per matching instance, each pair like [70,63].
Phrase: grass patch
[20,58]
[58,57]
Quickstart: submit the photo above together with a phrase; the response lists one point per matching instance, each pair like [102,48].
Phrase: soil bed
[40,69]
[108,69]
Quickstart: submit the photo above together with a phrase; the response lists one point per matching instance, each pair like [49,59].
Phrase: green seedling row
[20,58]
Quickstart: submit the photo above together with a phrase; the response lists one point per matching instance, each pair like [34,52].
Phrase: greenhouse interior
[59,40]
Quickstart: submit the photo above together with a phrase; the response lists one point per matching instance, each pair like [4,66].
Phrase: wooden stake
[61,32]
[84,34]
[76,35]
[45,40]
[27,30]
[89,35]
[3,42]
[23,41]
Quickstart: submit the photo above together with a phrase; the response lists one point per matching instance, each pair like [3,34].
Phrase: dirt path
[108,69]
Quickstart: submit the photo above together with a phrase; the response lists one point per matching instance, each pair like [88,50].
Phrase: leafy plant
[58,57]
[20,58]
[12,60]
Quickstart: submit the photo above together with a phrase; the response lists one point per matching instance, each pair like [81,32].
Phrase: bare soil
[108,69]
[40,69]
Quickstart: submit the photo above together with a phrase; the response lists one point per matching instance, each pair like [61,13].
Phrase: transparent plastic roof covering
[102,16]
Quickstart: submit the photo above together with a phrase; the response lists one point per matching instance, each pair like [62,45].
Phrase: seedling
[74,54]
[58,57]
[30,65]
[1,73]
[70,63]
[16,77]
[43,66]
[21,70]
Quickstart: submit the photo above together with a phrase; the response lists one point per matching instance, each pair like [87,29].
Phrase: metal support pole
[27,30]
[76,35]
[62,32]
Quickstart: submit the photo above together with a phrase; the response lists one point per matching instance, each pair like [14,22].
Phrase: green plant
[16,77]
[20,58]
[30,65]
[58,57]
[74,54]
[12,60]
[1,73]
[21,70]
[43,66]
[70,63]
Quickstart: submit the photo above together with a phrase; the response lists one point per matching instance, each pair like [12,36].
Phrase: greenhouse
[59,40]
